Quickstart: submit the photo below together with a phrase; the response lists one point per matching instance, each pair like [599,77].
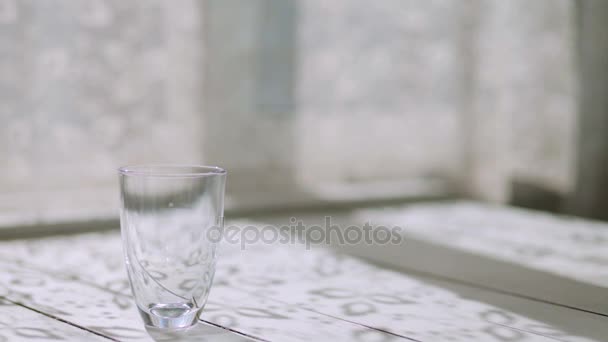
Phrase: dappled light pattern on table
[569,247]
[21,324]
[269,292]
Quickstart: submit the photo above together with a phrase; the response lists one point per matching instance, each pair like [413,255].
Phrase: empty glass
[171,221]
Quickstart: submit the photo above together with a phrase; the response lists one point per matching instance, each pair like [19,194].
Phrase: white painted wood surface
[76,287]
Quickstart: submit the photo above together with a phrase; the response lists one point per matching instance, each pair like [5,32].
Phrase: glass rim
[171,170]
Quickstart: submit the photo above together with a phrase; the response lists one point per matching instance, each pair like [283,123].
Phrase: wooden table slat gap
[27,307]
[447,279]
[531,332]
[363,325]
[384,331]
[234,331]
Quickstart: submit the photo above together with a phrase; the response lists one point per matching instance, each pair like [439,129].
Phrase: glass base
[170,316]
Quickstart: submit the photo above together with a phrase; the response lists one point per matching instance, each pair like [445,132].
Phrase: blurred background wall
[590,197]
[297,99]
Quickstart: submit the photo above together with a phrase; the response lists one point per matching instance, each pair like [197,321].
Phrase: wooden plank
[343,287]
[98,309]
[288,293]
[201,332]
[544,257]
[86,287]
[57,295]
[564,246]
[566,320]
[509,250]
[18,323]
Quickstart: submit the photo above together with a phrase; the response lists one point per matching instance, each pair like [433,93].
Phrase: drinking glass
[171,222]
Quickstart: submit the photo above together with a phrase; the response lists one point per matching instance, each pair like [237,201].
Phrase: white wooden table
[466,272]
